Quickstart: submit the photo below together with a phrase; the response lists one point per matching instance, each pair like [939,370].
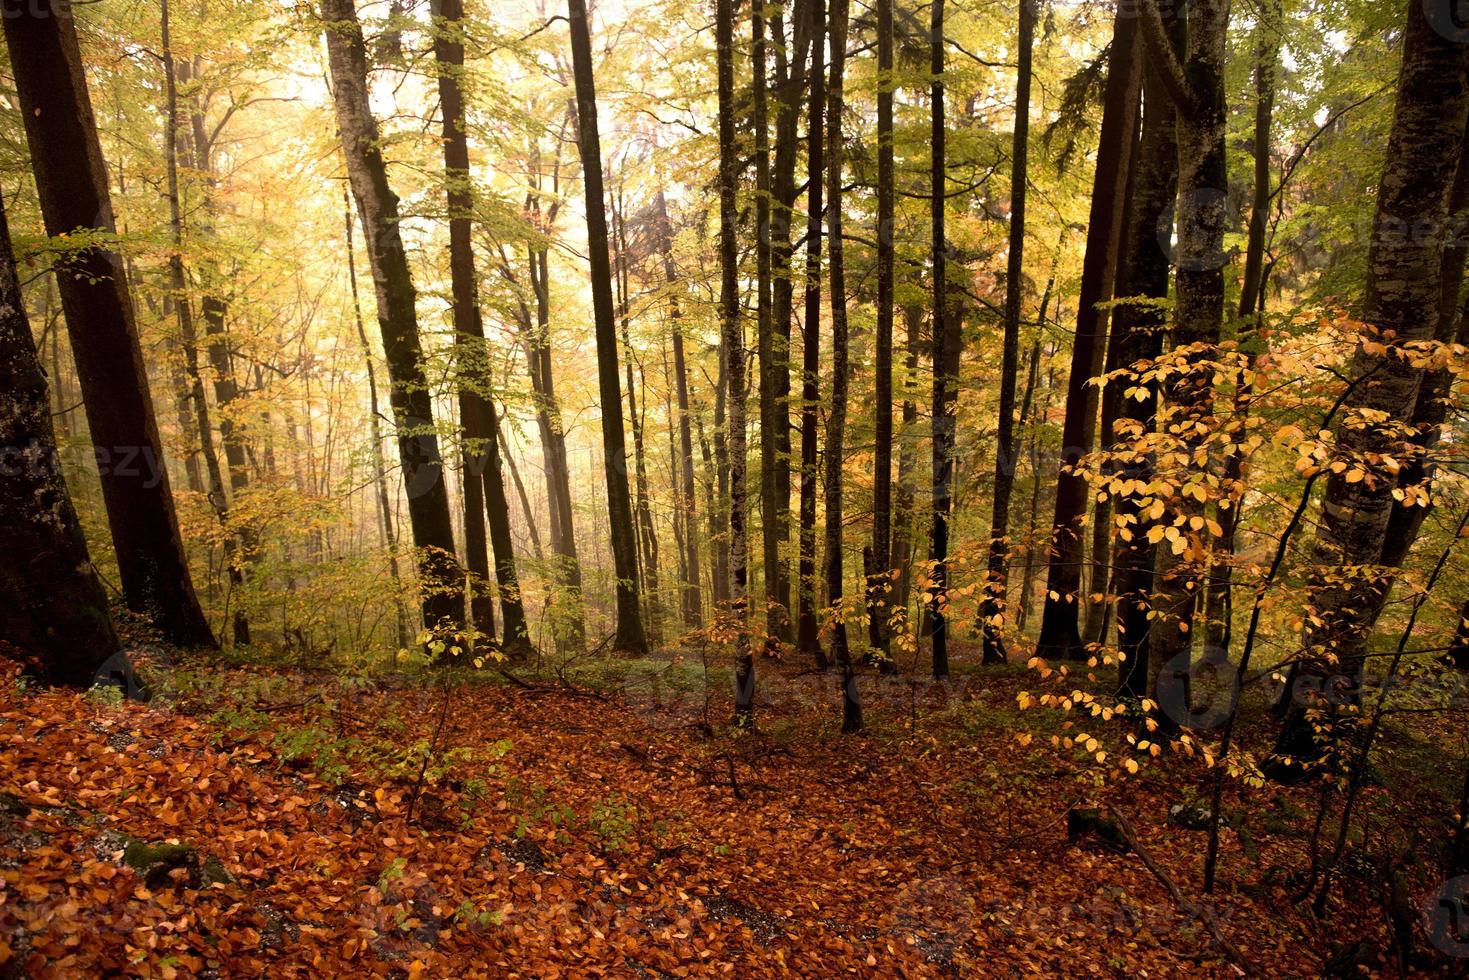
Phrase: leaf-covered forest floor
[583,822]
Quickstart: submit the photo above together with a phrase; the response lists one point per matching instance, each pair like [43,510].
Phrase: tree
[692,605]
[1400,308]
[1006,458]
[734,351]
[71,180]
[879,578]
[770,524]
[483,478]
[807,638]
[1060,634]
[397,317]
[629,636]
[836,418]
[946,344]
[52,606]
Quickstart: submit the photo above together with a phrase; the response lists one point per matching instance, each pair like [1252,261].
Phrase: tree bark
[377,205]
[770,525]
[1400,306]
[684,473]
[729,316]
[71,179]
[807,634]
[1060,634]
[1006,459]
[53,610]
[836,418]
[629,637]
[879,580]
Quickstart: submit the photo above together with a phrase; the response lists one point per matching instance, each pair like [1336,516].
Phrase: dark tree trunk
[53,611]
[1401,306]
[485,499]
[836,418]
[630,637]
[377,205]
[71,179]
[946,343]
[789,73]
[1251,314]
[647,535]
[1197,322]
[1060,634]
[770,525]
[734,347]
[1139,328]
[807,638]
[1006,459]
[879,580]
[693,614]
[904,502]
[379,465]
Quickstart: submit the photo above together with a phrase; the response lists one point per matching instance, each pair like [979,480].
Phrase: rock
[1190,816]
[1081,821]
[157,862]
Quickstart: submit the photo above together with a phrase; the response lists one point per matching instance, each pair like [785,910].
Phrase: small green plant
[614,820]
[106,695]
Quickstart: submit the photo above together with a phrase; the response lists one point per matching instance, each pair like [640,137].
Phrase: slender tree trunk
[770,525]
[1007,460]
[692,604]
[789,73]
[1401,306]
[729,314]
[1139,327]
[52,606]
[904,503]
[1060,634]
[379,465]
[71,179]
[836,418]
[946,349]
[647,535]
[807,634]
[879,580]
[418,446]
[525,508]
[629,637]
[1251,308]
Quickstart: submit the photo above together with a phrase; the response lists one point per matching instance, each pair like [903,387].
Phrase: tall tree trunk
[789,74]
[1251,314]
[377,205]
[879,581]
[1138,323]
[1060,634]
[836,418]
[946,348]
[1401,306]
[52,606]
[734,347]
[379,465]
[71,179]
[692,604]
[647,535]
[1006,459]
[480,439]
[629,637]
[770,526]
[905,508]
[807,634]
[1197,323]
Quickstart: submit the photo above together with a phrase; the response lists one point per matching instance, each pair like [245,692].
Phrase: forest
[655,488]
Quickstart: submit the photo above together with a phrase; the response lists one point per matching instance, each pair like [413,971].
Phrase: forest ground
[579,820]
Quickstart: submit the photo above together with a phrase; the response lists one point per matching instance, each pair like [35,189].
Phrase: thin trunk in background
[770,525]
[879,577]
